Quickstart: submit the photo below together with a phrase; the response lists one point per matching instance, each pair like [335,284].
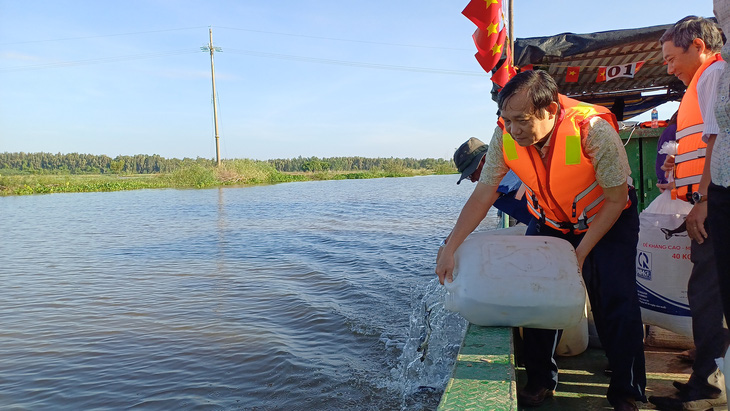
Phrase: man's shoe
[682,387]
[688,355]
[702,404]
[667,403]
[624,404]
[531,396]
[688,403]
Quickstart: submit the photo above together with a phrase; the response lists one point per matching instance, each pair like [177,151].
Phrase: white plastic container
[517,281]
[574,340]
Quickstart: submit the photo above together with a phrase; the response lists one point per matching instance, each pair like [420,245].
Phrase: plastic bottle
[654,118]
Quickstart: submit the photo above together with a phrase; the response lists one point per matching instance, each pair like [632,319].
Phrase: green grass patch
[47,184]
[195,175]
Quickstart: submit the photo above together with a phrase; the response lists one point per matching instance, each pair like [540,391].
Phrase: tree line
[75,163]
[357,163]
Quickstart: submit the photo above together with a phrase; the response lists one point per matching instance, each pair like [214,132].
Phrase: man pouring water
[571,160]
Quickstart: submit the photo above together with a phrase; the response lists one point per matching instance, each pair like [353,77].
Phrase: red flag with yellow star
[601,75]
[488,54]
[488,38]
[506,71]
[483,12]
[485,39]
[571,76]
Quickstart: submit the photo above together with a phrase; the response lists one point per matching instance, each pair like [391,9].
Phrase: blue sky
[379,78]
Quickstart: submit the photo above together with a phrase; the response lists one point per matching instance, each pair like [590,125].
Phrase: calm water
[294,296]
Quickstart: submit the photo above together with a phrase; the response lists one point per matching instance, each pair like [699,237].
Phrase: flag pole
[511,30]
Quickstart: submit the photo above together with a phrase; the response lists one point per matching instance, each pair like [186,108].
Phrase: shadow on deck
[485,376]
[583,381]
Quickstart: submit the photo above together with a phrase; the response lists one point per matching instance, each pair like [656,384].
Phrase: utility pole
[215,105]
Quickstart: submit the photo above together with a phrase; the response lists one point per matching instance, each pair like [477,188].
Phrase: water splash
[433,342]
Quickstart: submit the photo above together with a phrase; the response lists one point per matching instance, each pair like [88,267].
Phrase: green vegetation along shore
[43,173]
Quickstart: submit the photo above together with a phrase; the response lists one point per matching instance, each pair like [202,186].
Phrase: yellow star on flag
[492,29]
[572,73]
[497,49]
[490,2]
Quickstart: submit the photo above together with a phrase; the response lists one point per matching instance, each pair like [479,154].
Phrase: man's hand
[668,165]
[471,215]
[445,265]
[663,186]
[613,206]
[696,222]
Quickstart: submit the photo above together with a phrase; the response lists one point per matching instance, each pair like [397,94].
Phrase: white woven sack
[663,265]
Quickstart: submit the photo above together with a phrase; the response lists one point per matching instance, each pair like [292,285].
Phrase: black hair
[540,87]
[685,31]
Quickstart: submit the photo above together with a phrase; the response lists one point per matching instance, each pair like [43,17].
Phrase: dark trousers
[703,293]
[718,217]
[609,273]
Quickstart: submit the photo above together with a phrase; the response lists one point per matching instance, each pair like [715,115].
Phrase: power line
[244,52]
[101,60]
[345,40]
[348,63]
[101,35]
[240,29]
[354,63]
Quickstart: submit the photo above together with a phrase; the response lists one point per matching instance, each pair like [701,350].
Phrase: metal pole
[511,29]
[215,105]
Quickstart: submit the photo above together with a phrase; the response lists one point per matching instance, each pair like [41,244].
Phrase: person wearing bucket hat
[469,157]
[469,160]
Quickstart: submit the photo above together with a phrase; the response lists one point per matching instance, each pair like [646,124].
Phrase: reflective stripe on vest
[697,128]
[690,159]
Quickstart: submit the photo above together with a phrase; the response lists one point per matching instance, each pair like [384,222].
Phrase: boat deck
[583,381]
[486,376]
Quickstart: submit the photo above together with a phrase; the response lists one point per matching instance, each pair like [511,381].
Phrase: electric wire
[100,60]
[344,40]
[279,56]
[290,57]
[101,36]
[238,29]
[353,63]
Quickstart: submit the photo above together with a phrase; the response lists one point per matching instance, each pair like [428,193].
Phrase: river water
[309,295]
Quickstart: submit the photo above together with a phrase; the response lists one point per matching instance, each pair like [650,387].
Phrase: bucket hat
[468,156]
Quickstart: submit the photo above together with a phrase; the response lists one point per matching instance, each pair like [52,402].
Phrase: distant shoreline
[45,173]
[192,177]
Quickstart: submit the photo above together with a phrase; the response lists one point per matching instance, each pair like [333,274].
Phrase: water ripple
[292,296]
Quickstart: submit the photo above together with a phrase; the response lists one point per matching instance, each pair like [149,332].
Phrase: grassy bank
[233,172]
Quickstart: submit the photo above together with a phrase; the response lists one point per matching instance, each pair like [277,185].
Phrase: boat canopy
[576,61]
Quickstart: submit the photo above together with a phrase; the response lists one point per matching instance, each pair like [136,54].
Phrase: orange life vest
[565,196]
[690,159]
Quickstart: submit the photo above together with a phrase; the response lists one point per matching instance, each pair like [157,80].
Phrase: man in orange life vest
[691,49]
[571,160]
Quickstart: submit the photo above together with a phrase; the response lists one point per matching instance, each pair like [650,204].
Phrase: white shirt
[707,96]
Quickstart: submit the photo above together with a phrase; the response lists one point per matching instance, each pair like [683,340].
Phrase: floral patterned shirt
[720,160]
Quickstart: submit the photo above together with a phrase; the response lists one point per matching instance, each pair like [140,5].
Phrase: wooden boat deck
[486,376]
[583,382]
